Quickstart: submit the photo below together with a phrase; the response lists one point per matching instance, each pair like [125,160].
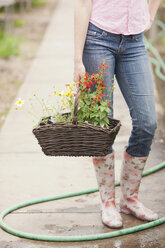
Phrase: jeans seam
[134,105]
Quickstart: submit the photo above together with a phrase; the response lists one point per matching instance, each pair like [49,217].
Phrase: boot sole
[116,227]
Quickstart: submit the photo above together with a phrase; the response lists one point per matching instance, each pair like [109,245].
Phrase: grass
[38,3]
[5,112]
[17,83]
[19,23]
[9,45]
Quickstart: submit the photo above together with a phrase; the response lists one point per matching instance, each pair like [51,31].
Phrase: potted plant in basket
[78,122]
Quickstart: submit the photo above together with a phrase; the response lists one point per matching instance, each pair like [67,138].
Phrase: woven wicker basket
[76,138]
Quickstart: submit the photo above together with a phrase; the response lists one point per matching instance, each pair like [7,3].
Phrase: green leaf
[106,120]
[107,110]
[102,123]
[103,115]
[102,108]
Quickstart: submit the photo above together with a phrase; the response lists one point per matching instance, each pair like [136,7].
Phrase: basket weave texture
[76,138]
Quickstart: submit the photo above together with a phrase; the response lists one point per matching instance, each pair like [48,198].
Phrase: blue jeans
[128,61]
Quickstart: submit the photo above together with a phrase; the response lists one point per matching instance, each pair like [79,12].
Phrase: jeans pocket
[94,34]
[138,37]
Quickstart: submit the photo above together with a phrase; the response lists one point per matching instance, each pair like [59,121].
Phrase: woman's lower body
[128,61]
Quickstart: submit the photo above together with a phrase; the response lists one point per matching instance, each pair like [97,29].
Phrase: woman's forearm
[153,7]
[82,13]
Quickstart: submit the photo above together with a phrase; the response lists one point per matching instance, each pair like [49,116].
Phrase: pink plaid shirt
[120,16]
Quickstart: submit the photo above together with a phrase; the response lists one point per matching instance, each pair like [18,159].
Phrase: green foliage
[163,40]
[38,3]
[93,108]
[97,115]
[1,9]
[9,45]
[19,23]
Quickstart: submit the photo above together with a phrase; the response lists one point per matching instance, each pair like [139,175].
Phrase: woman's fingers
[79,72]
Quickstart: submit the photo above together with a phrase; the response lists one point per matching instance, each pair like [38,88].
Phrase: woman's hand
[79,72]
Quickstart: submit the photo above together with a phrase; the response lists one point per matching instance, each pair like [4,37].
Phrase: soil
[14,69]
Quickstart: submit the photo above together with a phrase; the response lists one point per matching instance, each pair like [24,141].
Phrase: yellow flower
[56,92]
[68,93]
[73,84]
[60,93]
[16,108]
[64,104]
[20,102]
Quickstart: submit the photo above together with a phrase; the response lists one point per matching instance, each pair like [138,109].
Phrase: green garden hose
[80,237]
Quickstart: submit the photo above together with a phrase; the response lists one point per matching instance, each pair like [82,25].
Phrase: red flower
[91,106]
[87,75]
[108,104]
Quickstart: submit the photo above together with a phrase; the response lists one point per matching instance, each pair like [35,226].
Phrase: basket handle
[75,119]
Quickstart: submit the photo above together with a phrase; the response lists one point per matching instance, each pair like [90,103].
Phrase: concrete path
[27,174]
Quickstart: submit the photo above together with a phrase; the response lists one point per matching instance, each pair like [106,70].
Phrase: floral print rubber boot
[131,175]
[104,168]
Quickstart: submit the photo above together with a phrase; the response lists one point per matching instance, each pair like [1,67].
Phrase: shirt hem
[112,31]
